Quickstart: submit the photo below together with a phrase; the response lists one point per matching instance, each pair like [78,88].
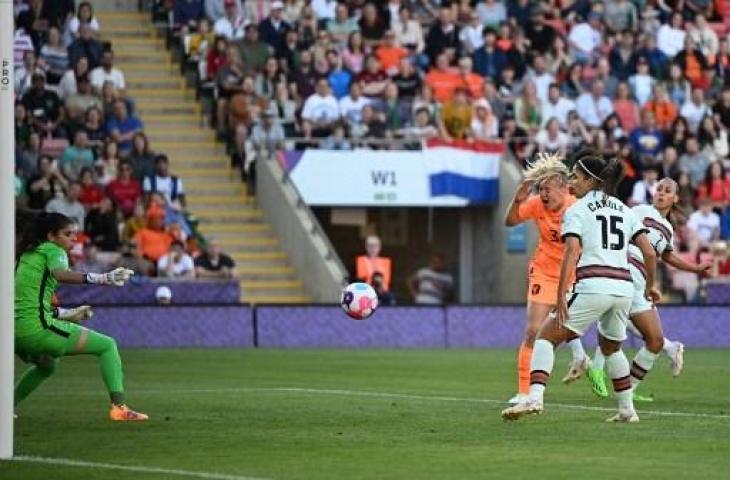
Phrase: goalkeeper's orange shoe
[122,413]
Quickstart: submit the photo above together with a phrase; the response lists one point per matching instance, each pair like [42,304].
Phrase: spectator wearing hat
[273,28]
[213,263]
[176,263]
[163,295]
[267,138]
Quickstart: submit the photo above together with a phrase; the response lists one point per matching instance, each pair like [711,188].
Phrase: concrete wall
[300,234]
[498,276]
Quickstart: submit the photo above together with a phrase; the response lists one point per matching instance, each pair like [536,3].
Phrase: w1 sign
[444,174]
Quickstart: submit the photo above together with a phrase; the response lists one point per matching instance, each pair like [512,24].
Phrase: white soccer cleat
[527,407]
[518,398]
[624,417]
[677,359]
[577,369]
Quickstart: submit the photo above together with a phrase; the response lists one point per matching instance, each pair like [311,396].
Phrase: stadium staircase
[172,119]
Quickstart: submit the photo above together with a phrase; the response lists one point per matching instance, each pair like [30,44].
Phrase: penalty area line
[67,462]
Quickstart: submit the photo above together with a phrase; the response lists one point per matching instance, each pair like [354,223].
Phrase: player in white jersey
[596,231]
[644,319]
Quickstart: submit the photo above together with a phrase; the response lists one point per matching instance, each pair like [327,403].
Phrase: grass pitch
[312,414]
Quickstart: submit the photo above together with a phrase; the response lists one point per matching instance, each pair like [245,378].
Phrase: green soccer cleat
[597,377]
[641,398]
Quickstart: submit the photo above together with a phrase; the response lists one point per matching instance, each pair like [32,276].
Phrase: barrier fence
[320,326]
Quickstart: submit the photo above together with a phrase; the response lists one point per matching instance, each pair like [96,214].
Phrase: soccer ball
[359,300]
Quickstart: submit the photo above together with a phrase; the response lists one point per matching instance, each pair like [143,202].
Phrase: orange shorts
[542,288]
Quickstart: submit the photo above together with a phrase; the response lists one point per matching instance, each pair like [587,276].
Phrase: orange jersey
[549,252]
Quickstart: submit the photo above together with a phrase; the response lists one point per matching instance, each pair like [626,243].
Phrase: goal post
[7,227]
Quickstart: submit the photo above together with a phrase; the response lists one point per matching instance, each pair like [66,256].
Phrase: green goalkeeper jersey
[34,287]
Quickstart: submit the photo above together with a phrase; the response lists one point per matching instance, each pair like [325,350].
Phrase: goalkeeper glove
[75,315]
[117,277]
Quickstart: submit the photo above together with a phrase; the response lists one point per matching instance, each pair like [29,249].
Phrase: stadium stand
[644,81]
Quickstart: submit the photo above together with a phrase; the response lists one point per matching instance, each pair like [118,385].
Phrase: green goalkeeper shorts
[60,338]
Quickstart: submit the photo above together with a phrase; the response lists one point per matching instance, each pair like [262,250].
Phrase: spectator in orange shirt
[442,79]
[371,263]
[664,110]
[472,82]
[390,54]
[153,241]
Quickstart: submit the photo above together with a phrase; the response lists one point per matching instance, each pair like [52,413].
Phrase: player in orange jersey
[547,175]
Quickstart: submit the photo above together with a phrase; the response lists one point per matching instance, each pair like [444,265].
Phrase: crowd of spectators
[81,150]
[643,80]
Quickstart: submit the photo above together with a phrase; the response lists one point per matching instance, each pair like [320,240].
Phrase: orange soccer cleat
[122,413]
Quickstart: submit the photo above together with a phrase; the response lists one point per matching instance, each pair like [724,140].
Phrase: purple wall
[393,327]
[171,326]
[142,292]
[396,327]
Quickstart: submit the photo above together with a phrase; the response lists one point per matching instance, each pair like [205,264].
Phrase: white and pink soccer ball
[359,300]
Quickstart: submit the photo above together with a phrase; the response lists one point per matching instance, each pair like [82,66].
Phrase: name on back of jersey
[606,202]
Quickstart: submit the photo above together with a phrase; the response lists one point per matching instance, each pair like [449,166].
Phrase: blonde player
[596,230]
[549,176]
[644,319]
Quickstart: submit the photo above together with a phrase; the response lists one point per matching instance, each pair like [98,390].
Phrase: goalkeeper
[42,336]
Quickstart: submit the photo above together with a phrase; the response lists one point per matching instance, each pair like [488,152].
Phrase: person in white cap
[163,295]
[273,28]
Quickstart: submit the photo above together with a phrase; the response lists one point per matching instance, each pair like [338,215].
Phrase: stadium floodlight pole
[7,231]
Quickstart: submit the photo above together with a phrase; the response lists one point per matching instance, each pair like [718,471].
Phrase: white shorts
[639,303]
[611,312]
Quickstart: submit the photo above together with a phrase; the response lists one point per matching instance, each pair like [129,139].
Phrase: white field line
[67,462]
[405,396]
